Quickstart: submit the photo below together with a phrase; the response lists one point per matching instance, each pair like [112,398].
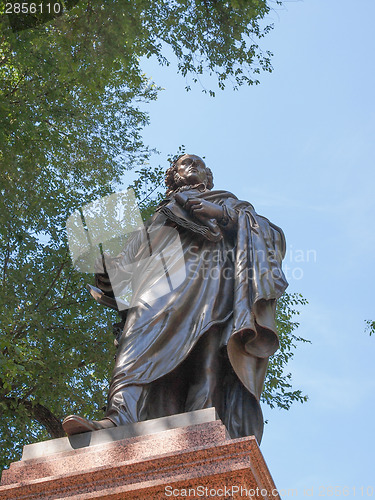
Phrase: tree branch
[41,414]
[55,307]
[6,261]
[16,87]
[51,285]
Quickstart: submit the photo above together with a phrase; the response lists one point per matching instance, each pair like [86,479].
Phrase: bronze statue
[207,342]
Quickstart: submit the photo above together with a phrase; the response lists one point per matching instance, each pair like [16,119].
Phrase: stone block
[191,461]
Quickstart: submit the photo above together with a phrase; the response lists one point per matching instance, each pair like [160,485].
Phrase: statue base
[188,455]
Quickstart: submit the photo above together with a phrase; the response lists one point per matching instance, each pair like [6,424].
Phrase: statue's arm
[117,265]
[223,213]
[229,220]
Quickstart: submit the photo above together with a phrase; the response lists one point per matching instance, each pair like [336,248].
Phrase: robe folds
[230,283]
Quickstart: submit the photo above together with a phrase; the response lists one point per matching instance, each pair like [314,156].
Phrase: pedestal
[187,456]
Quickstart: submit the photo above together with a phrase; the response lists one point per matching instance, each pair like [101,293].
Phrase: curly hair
[173,180]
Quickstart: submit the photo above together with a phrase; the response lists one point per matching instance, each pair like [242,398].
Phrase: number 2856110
[33,8]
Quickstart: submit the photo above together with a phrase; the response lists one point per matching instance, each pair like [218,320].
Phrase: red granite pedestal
[157,461]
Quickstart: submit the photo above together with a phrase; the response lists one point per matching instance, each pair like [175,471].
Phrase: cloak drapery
[231,282]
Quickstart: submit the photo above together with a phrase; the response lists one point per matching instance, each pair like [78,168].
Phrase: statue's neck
[199,187]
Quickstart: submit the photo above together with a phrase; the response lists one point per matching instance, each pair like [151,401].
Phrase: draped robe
[232,283]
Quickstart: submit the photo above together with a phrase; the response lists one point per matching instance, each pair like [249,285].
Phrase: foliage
[278,388]
[69,126]
[55,348]
[148,189]
[370,326]
[71,98]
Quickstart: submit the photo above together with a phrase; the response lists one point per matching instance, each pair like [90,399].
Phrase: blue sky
[300,148]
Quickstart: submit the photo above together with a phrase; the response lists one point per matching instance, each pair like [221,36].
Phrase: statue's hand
[204,209]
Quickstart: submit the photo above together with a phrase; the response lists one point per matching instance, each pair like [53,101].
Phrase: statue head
[188,170]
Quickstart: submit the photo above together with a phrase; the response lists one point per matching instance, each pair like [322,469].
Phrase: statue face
[192,169]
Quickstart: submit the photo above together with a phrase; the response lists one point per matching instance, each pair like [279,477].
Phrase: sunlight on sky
[300,148]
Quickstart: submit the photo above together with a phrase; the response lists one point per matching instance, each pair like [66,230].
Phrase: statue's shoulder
[233,201]
[220,193]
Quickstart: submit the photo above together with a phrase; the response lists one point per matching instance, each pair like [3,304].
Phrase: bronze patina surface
[206,342]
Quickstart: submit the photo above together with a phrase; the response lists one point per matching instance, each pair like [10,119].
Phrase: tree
[71,122]
[370,326]
[277,387]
